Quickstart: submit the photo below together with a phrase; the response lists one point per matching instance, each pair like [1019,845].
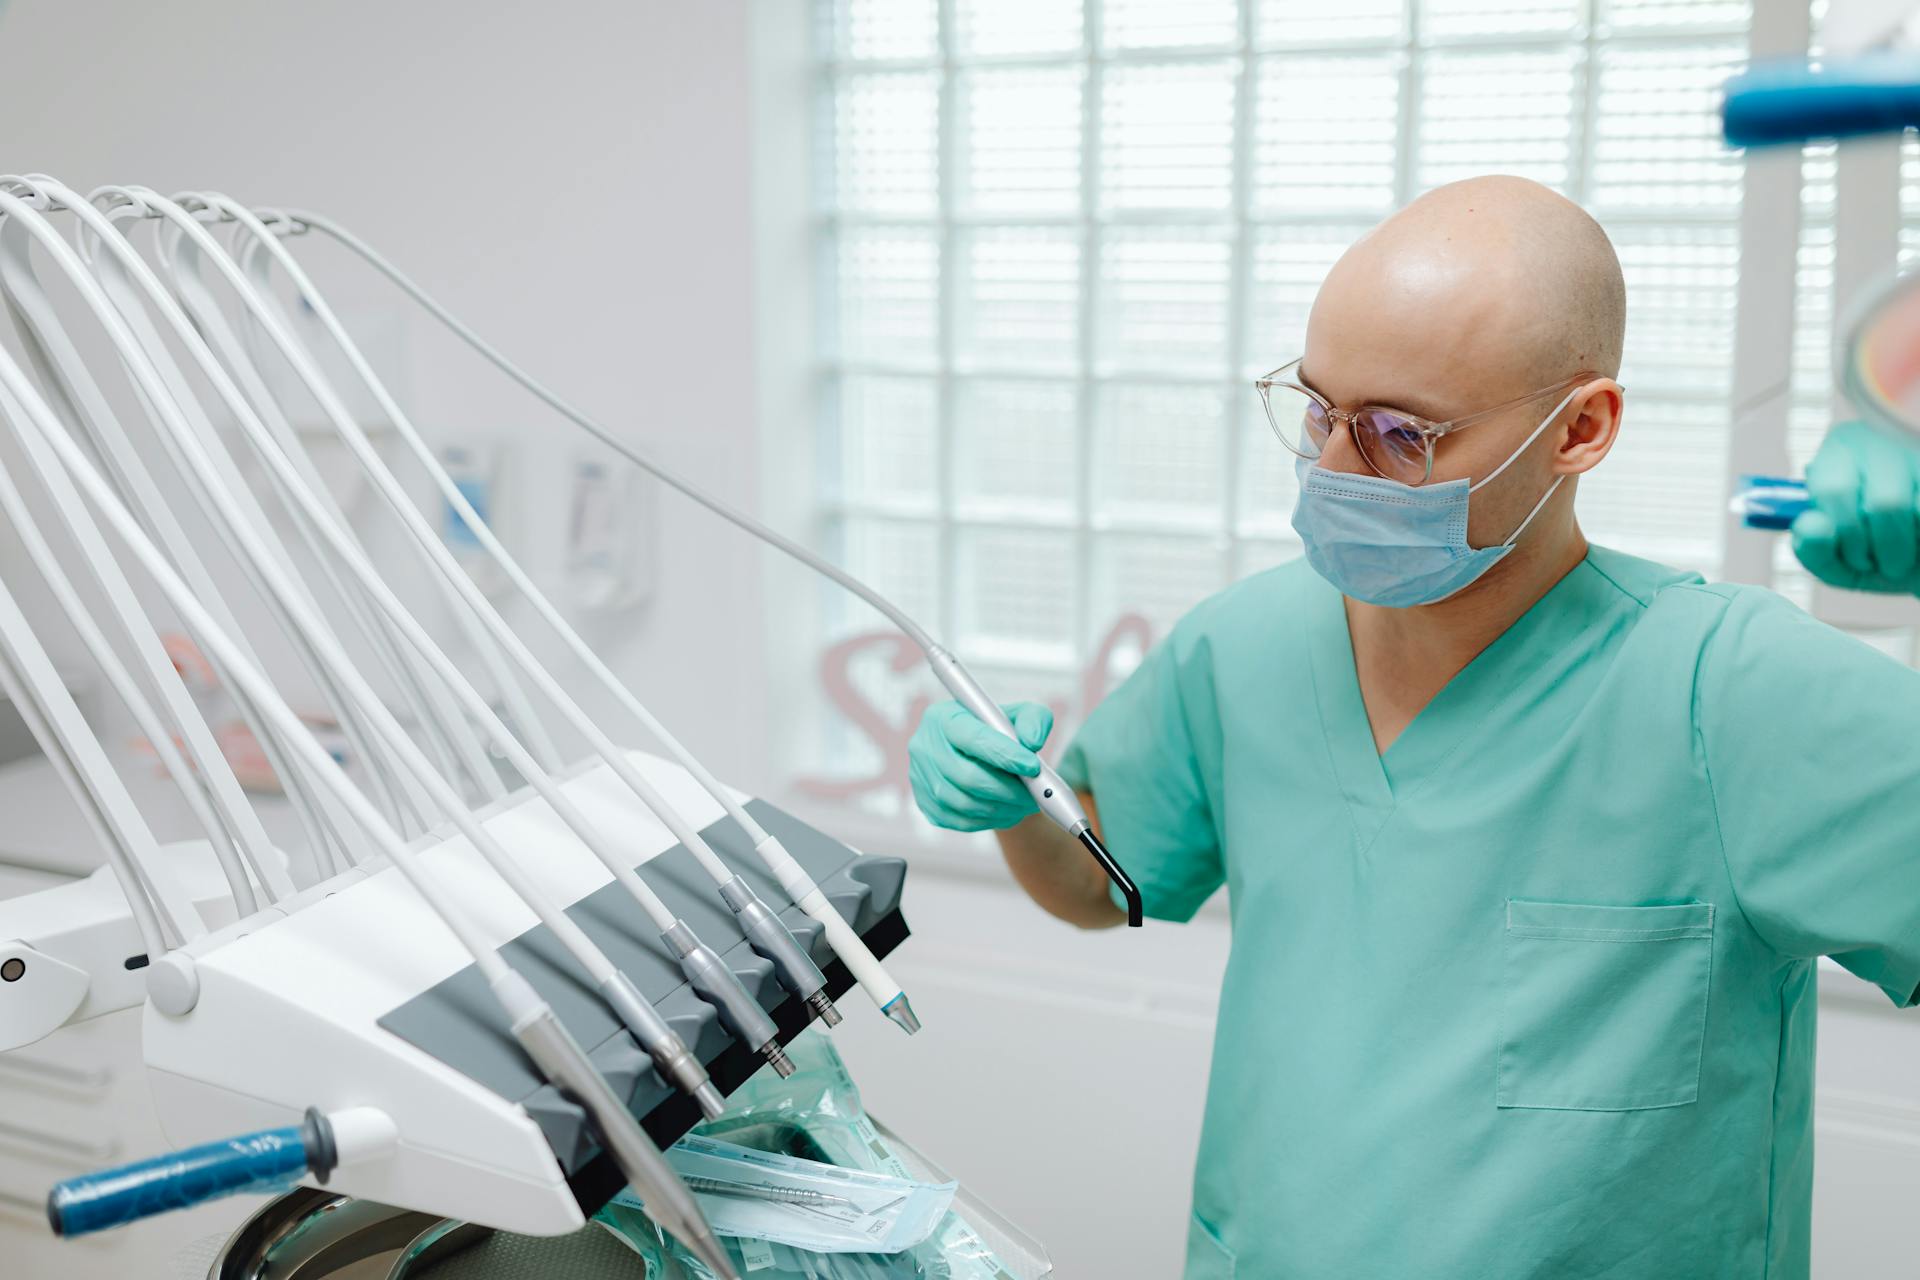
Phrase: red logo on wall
[1130,634]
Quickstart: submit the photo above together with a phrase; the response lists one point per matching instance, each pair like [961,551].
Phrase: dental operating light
[534,1025]
[1868,83]
[1050,792]
[764,930]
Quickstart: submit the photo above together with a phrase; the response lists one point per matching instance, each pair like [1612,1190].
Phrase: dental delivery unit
[521,973]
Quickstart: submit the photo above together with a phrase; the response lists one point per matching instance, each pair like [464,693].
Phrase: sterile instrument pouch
[760,1195]
[815,1115]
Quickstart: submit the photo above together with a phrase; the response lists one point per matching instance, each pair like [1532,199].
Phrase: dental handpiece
[1049,790]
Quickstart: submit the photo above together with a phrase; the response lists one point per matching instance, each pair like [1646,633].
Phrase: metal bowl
[316,1235]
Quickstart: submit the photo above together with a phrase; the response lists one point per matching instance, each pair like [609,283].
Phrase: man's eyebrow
[1407,406]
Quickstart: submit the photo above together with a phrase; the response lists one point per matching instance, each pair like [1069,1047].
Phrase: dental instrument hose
[534,1025]
[445,730]
[738,1011]
[709,976]
[764,930]
[1050,792]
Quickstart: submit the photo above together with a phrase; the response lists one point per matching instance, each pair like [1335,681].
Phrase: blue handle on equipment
[1771,502]
[268,1160]
[1792,101]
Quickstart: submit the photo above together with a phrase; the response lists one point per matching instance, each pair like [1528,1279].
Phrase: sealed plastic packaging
[764,1195]
[816,1115]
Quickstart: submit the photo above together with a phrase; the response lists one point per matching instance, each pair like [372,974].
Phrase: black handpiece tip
[1136,915]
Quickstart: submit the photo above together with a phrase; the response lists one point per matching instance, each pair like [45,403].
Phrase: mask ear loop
[1551,490]
[1514,456]
[1525,444]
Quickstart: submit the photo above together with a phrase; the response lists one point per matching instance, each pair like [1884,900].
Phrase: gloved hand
[1863,531]
[964,770]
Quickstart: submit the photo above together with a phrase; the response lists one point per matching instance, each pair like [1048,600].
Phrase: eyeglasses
[1396,444]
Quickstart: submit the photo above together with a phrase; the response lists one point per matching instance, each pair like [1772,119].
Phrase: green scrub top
[1531,994]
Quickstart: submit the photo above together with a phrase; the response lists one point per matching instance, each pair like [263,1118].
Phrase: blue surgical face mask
[1399,545]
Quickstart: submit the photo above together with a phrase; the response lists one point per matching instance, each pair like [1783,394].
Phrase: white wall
[572,178]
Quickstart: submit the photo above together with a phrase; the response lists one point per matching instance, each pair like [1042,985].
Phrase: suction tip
[777,1058]
[823,1008]
[1136,913]
[711,1103]
[901,1012]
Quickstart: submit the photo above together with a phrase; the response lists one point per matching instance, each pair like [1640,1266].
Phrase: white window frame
[1240,222]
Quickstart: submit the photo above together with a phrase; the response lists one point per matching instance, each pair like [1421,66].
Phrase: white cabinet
[72,1103]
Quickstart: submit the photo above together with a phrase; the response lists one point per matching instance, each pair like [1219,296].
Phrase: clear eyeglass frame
[1427,432]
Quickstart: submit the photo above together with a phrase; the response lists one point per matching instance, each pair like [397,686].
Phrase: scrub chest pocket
[1603,1008]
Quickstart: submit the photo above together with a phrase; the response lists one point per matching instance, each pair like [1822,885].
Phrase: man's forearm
[1057,873]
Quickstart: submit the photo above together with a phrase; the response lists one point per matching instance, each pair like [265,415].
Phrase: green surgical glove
[966,773]
[1863,531]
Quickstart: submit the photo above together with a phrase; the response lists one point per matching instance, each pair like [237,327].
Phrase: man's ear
[1593,424]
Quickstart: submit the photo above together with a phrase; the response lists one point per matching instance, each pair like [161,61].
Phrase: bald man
[1530,846]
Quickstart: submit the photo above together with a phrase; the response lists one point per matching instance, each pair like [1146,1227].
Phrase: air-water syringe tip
[902,1013]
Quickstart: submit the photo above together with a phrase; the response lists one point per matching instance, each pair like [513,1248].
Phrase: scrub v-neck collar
[1553,634]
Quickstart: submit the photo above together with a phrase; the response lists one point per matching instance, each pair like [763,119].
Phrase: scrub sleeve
[1139,756]
[1811,741]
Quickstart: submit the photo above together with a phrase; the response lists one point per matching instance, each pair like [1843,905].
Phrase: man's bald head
[1473,296]
[1497,279]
